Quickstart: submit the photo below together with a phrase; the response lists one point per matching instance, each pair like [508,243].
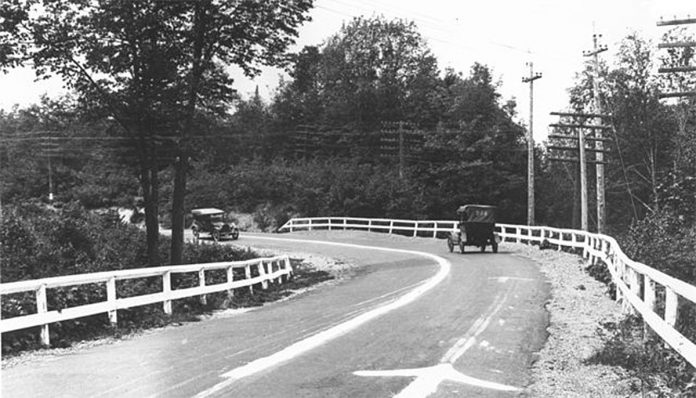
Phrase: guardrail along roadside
[639,288]
[256,271]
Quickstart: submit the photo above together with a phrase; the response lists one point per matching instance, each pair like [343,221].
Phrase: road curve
[417,321]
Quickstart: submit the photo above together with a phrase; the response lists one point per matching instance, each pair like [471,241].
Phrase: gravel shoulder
[578,307]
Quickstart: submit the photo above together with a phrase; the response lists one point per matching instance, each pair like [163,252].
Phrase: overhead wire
[434,23]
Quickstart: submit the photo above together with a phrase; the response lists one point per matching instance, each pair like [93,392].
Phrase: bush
[41,242]
[665,241]
[662,371]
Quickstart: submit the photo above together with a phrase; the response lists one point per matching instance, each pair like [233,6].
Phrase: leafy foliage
[43,242]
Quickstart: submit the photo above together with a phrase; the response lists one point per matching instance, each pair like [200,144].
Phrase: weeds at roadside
[662,371]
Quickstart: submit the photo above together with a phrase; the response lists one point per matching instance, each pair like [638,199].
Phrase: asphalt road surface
[416,321]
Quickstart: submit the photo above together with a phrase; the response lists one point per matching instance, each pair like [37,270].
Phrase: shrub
[662,371]
[39,242]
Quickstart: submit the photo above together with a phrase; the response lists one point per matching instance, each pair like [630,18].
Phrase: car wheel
[215,235]
[235,234]
[450,245]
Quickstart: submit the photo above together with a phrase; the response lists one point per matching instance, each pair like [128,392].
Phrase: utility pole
[580,127]
[530,143]
[688,93]
[601,203]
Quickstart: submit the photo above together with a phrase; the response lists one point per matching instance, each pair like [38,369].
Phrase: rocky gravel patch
[578,308]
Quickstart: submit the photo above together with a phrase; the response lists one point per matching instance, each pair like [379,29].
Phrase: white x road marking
[428,379]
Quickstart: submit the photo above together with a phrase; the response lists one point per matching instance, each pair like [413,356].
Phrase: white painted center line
[325,336]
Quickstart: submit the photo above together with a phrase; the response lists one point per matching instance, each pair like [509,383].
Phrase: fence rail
[267,269]
[637,285]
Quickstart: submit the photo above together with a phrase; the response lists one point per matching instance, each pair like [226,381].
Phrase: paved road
[408,325]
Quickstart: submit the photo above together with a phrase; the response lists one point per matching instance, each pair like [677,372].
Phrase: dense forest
[367,125]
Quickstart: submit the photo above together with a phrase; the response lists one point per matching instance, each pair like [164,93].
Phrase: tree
[477,153]
[373,70]
[154,67]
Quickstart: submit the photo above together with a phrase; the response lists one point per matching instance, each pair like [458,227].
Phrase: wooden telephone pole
[578,127]
[678,69]
[530,144]
[601,203]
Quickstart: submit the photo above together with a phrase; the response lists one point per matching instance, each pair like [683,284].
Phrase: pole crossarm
[677,44]
[577,114]
[575,137]
[572,148]
[685,21]
[677,69]
[579,126]
[575,160]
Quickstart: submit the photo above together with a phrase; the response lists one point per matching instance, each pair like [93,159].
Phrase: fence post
[415,229]
[201,283]
[329,221]
[671,305]
[561,241]
[345,224]
[671,308]
[369,226]
[247,273]
[262,273]
[620,272]
[517,234]
[435,231]
[230,279]
[584,247]
[288,268]
[42,308]
[276,279]
[650,300]
[167,289]
[111,299]
[391,227]
[593,255]
[634,285]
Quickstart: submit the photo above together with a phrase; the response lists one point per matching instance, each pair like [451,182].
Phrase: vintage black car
[214,223]
[476,228]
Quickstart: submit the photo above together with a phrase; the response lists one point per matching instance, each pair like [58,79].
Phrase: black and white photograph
[347,198]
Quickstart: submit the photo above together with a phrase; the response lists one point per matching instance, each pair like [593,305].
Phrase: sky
[505,35]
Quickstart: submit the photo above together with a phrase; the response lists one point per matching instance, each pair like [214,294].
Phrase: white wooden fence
[637,285]
[268,269]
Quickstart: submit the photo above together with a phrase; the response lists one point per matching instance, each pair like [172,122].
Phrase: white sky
[503,34]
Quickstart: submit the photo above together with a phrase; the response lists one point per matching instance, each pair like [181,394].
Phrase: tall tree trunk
[150,184]
[181,166]
[178,209]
